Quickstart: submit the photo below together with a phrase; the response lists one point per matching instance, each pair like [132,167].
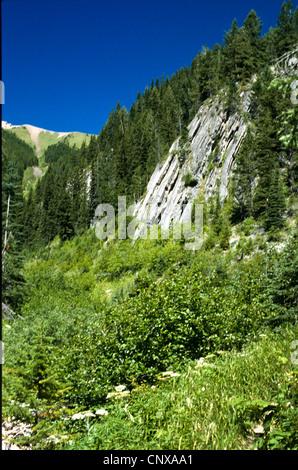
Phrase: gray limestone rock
[214,140]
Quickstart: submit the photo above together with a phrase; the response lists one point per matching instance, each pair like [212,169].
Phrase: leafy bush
[213,403]
[163,308]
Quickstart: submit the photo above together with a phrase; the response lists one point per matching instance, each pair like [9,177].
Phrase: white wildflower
[53,438]
[259,430]
[201,362]
[120,388]
[89,414]
[82,415]
[101,412]
[168,372]
[78,416]
[118,394]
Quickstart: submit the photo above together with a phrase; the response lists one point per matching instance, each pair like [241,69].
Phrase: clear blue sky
[66,63]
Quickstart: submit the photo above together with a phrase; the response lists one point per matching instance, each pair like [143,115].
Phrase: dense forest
[148,346]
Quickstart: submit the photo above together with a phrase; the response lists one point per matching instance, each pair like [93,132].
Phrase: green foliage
[276,203]
[56,151]
[98,315]
[280,426]
[13,283]
[15,148]
[90,170]
[282,285]
[244,179]
[102,315]
[212,403]
[189,180]
[287,34]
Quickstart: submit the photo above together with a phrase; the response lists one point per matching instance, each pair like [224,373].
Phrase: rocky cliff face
[195,168]
[204,163]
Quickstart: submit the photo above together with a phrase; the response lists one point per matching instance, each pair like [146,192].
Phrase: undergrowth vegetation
[102,322]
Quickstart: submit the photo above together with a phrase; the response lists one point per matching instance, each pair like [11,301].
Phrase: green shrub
[189,180]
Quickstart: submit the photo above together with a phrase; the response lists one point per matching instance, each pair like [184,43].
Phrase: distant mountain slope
[40,138]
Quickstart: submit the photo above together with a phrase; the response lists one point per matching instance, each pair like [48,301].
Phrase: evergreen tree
[231,101]
[268,146]
[65,228]
[216,221]
[225,233]
[255,53]
[269,42]
[48,221]
[276,205]
[287,128]
[34,228]
[79,197]
[287,32]
[92,149]
[296,20]
[282,282]
[28,217]
[232,52]
[244,178]
[12,205]
[215,70]
[95,185]
[13,284]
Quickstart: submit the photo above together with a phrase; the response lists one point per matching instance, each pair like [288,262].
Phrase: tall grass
[215,403]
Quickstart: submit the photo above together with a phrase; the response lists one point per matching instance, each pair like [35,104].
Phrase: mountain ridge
[35,131]
[7,125]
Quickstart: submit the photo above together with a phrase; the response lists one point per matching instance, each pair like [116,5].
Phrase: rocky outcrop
[197,167]
[11,432]
[6,125]
[286,65]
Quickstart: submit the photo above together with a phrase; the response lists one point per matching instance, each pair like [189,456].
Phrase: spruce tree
[28,216]
[255,53]
[48,222]
[276,205]
[231,100]
[287,33]
[233,52]
[267,111]
[244,178]
[13,283]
